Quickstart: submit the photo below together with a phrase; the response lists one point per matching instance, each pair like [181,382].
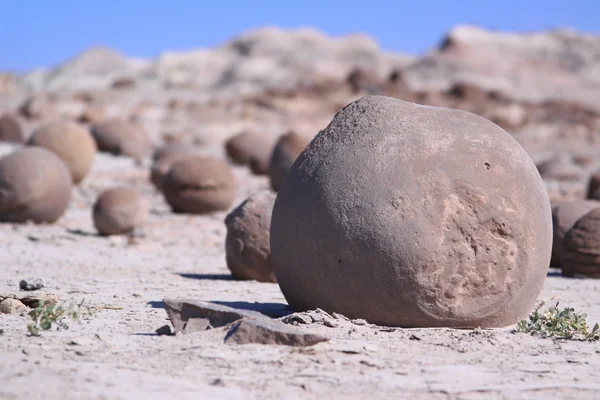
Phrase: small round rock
[247,247]
[412,216]
[164,157]
[581,247]
[11,306]
[10,129]
[564,216]
[251,148]
[119,211]
[286,150]
[35,185]
[120,137]
[71,142]
[199,185]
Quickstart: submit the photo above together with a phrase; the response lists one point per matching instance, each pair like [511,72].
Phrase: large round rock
[199,185]
[71,142]
[119,210]
[35,185]
[564,216]
[581,247]
[247,247]
[413,216]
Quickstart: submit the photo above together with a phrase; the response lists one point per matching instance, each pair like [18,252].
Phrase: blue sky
[46,32]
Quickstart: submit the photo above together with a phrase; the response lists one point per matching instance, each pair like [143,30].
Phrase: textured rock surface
[120,210]
[35,185]
[247,245]
[581,247]
[11,306]
[10,130]
[564,216]
[181,311]
[285,152]
[408,215]
[199,185]
[263,331]
[71,142]
[122,138]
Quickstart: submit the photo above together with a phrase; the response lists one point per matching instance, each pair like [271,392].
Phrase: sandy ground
[117,355]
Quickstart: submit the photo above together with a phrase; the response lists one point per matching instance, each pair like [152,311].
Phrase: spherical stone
[71,142]
[35,185]
[199,185]
[11,306]
[593,191]
[93,114]
[122,138]
[251,148]
[564,216]
[581,247]
[561,168]
[414,216]
[164,157]
[119,210]
[286,150]
[10,129]
[247,247]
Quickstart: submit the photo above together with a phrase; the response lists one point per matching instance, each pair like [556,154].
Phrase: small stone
[263,331]
[31,284]
[297,318]
[11,306]
[164,330]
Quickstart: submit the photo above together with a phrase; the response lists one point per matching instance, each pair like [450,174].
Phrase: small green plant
[553,322]
[46,315]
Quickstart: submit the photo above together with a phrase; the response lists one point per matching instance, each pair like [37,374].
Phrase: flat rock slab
[263,331]
[181,311]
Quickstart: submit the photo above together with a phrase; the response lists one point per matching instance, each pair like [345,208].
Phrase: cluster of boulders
[396,213]
[36,180]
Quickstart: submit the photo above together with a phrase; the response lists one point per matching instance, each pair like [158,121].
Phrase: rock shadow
[273,310]
[212,277]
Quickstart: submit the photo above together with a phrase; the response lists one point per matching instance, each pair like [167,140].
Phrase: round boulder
[199,185]
[71,142]
[564,216]
[120,137]
[10,130]
[119,210]
[247,245]
[251,148]
[581,247]
[413,216]
[163,158]
[286,150]
[35,185]
[11,306]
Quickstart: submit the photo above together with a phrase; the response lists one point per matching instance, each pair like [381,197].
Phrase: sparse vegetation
[553,322]
[44,316]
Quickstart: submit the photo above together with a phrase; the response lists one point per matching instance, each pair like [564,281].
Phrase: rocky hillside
[543,87]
